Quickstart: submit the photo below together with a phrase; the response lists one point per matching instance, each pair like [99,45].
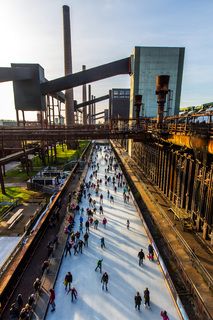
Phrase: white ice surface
[120,262]
[7,244]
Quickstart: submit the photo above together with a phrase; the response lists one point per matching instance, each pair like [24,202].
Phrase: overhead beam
[90,75]
[94,115]
[86,103]
[12,74]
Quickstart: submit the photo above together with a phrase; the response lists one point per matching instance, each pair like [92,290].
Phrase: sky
[103,31]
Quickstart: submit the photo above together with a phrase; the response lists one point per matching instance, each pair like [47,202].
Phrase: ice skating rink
[120,261]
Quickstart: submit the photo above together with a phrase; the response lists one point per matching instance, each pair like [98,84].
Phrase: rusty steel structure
[162,87]
[178,159]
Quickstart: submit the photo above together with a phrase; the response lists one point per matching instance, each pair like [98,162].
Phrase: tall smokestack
[69,105]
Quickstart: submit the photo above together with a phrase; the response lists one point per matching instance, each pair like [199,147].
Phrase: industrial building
[146,64]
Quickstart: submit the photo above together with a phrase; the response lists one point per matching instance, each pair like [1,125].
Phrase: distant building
[8,123]
[120,103]
[146,64]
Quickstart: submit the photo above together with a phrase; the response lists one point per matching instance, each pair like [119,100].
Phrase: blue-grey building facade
[146,64]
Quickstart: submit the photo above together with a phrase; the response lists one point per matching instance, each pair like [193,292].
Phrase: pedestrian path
[120,261]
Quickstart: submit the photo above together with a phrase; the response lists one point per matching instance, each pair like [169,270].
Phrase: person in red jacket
[52,299]
[164,315]
[104,222]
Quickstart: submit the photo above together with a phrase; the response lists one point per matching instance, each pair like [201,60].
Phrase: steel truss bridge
[115,129]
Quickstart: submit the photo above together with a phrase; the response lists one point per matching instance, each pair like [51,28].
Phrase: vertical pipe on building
[174,196]
[194,205]
[2,182]
[48,110]
[110,105]
[184,181]
[23,117]
[209,201]
[93,114]
[166,162]
[189,182]
[53,106]
[162,169]
[179,177]
[172,172]
[94,108]
[69,105]
[84,99]
[90,110]
[17,117]
[89,98]
[169,164]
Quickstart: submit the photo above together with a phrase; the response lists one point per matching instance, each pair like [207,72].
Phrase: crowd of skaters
[79,225]
[78,239]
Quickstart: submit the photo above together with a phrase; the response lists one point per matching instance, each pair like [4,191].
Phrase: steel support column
[190,173]
[2,182]
[84,99]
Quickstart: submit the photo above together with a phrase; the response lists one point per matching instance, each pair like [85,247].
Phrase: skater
[99,265]
[164,315]
[104,222]
[73,292]
[96,222]
[91,220]
[146,298]
[104,281]
[52,299]
[68,248]
[81,228]
[127,224]
[86,237]
[111,199]
[108,194]
[80,245]
[37,286]
[75,247]
[102,243]
[101,198]
[87,225]
[141,256]
[50,248]
[31,300]
[101,210]
[138,301]
[45,266]
[151,252]
[68,280]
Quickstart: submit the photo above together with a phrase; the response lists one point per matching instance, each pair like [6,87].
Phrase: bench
[15,218]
